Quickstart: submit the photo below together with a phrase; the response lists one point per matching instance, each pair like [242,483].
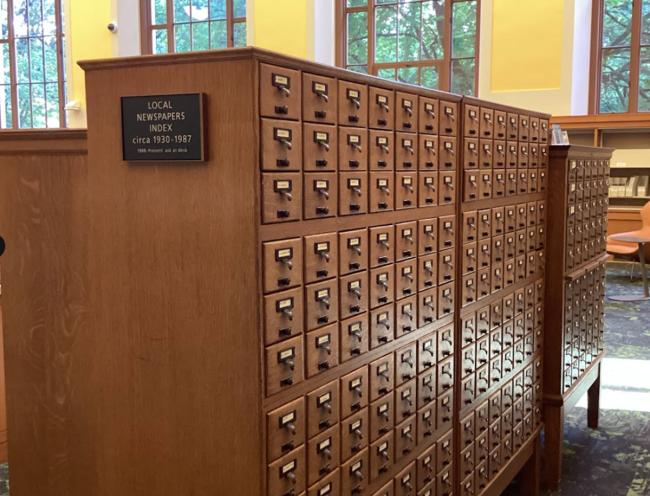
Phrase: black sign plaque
[163,128]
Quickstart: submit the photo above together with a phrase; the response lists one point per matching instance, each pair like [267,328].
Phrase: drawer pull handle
[323,96]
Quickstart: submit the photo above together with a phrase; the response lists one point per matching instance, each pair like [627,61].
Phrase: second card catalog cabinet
[346,297]
[578,203]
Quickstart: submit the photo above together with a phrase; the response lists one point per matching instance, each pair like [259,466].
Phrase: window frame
[595,73]
[13,68]
[444,65]
[147,27]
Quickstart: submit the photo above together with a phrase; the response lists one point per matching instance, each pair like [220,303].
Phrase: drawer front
[282,197]
[468,329]
[427,352]
[355,337]
[428,189]
[322,349]
[320,147]
[487,123]
[482,447]
[471,186]
[512,155]
[428,153]
[320,195]
[446,188]
[319,98]
[469,262]
[321,304]
[499,154]
[427,387]
[406,194]
[280,92]
[524,128]
[446,300]
[446,264]
[406,316]
[405,481]
[281,145]
[470,226]
[446,232]
[353,104]
[485,185]
[283,315]
[287,475]
[444,452]
[382,191]
[445,342]
[382,323]
[282,264]
[353,193]
[427,307]
[284,365]
[406,112]
[382,285]
[426,468]
[382,245]
[468,355]
[354,474]
[382,150]
[445,375]
[405,400]
[382,416]
[448,118]
[406,240]
[471,121]
[322,408]
[381,456]
[382,108]
[513,127]
[353,149]
[484,224]
[323,454]
[354,294]
[467,430]
[427,236]
[429,111]
[448,153]
[471,155]
[426,423]
[354,392]
[382,376]
[467,469]
[328,486]
[406,151]
[427,271]
[285,429]
[405,437]
[405,274]
[486,154]
[445,413]
[353,251]
[500,124]
[406,364]
[468,390]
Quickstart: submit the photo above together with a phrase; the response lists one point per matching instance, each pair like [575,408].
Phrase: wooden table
[640,238]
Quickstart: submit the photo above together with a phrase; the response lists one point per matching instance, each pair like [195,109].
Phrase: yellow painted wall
[86,38]
[285,26]
[527,45]
[526,51]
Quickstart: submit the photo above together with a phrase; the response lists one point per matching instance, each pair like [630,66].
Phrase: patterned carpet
[613,460]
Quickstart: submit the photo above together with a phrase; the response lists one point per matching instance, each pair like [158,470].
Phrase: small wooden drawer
[353,104]
[353,251]
[427,271]
[321,257]
[524,128]
[500,125]
[486,156]
[354,392]
[427,236]
[512,155]
[426,387]
[534,129]
[427,307]
[353,193]
[446,188]
[406,481]
[444,452]
[382,416]
[354,474]
[323,454]
[328,486]
[426,468]
[353,149]
[405,400]
[406,316]
[405,437]
[487,123]
[281,145]
[406,364]
[354,337]
[446,265]
[382,245]
[471,185]
[446,232]
[287,475]
[484,227]
[406,151]
[320,147]
[406,240]
[322,408]
[446,300]
[467,468]
[282,264]
[382,150]
[320,195]
[445,410]
[469,262]
[429,115]
[427,423]
[471,121]
[485,184]
[284,365]
[405,275]
[448,119]
[381,456]
[282,197]
[447,153]
[321,303]
[406,186]
[382,192]
[406,112]
[285,429]
[319,98]
[283,315]
[354,294]
[280,94]
[499,161]
[428,153]
[428,190]
[381,325]
[382,108]
[382,285]
[445,342]
[322,349]
[445,375]
[382,376]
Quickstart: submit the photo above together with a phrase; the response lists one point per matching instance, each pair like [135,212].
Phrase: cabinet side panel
[174,394]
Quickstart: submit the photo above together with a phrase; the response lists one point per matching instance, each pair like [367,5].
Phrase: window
[407,40]
[171,26]
[32,79]
[620,81]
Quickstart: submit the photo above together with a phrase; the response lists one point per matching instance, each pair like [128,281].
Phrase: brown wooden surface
[43,219]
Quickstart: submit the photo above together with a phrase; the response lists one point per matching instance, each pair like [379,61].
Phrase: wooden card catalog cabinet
[577,211]
[310,310]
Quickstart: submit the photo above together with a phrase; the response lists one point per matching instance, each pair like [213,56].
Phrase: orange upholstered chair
[622,248]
